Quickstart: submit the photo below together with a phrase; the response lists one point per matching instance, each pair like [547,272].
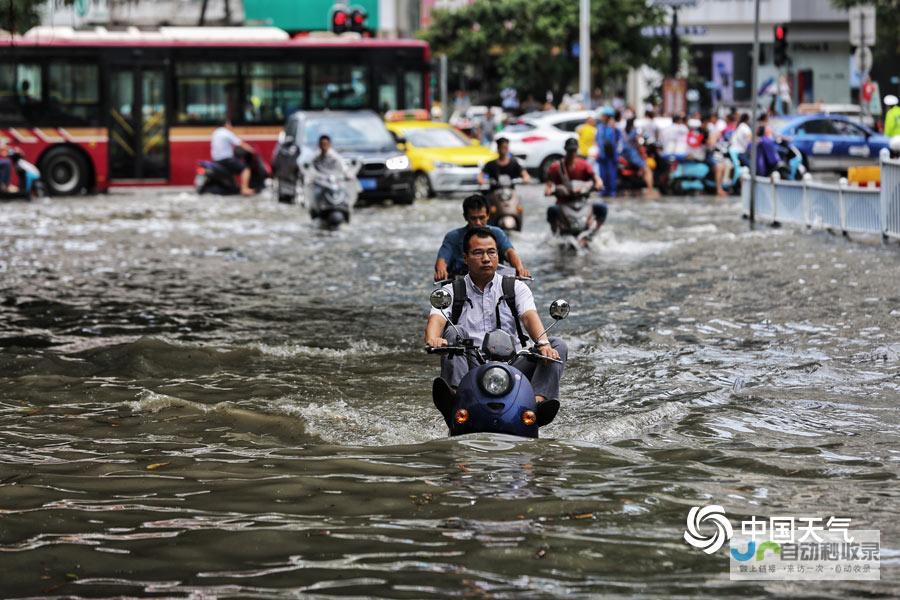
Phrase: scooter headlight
[397,163]
[496,381]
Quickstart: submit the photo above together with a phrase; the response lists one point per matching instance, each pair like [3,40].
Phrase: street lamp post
[754,84]
[584,52]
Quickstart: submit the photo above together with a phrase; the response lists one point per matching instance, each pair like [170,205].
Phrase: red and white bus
[99,108]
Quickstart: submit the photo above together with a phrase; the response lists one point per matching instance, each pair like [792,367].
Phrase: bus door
[138,126]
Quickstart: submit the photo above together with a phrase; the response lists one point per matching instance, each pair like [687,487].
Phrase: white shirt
[740,139]
[479,311]
[223,143]
[674,139]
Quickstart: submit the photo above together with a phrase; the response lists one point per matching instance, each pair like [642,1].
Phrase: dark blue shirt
[452,248]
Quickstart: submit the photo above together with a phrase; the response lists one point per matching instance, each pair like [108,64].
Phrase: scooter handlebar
[446,350]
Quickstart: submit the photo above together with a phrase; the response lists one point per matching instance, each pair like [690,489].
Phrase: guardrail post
[807,217]
[883,157]
[842,208]
[776,177]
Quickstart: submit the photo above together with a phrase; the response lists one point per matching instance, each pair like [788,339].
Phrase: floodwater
[207,397]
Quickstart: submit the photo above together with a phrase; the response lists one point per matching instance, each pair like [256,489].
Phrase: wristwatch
[539,344]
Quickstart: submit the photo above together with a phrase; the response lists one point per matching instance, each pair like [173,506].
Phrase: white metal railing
[837,207]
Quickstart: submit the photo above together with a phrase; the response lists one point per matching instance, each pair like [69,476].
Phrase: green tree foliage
[527,43]
[19,15]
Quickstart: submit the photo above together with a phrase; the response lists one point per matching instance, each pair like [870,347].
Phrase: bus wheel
[64,170]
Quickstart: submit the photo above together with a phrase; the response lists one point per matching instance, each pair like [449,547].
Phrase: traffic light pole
[584,53]
[754,79]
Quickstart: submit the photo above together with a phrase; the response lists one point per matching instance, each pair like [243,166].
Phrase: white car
[537,139]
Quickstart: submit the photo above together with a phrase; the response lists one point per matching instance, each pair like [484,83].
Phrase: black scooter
[213,178]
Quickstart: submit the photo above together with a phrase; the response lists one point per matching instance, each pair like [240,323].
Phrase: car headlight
[397,163]
[496,381]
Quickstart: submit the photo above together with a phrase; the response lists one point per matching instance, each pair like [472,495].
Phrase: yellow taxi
[443,159]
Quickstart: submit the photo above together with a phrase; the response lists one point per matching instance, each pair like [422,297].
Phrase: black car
[359,134]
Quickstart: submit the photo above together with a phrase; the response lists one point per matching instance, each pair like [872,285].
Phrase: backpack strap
[459,298]
[509,294]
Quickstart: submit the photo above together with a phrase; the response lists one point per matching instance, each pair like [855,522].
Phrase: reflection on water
[208,397]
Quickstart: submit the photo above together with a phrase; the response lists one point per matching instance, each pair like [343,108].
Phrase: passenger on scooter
[740,140]
[713,158]
[504,164]
[451,256]
[483,305]
[767,157]
[222,146]
[328,161]
[572,168]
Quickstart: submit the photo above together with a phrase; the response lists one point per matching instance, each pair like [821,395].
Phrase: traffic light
[358,20]
[781,46]
[343,19]
[340,21]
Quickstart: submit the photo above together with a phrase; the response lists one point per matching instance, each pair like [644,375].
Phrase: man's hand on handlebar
[523,272]
[436,342]
[440,273]
[547,351]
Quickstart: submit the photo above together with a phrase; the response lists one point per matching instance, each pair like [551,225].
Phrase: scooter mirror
[559,310]
[441,299]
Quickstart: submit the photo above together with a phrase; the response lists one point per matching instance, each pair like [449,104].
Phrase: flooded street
[207,397]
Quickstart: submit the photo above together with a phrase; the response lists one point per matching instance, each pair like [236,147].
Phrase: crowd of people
[614,137]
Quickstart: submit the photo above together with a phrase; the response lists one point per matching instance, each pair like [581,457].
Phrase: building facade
[818,41]
[155,13]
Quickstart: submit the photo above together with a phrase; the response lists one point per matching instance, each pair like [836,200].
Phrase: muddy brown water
[207,397]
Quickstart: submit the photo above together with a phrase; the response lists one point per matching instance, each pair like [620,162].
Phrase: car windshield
[433,137]
[353,132]
[519,126]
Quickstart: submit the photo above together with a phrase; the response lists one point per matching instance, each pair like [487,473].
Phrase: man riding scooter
[451,256]
[502,173]
[222,151]
[559,183]
[481,299]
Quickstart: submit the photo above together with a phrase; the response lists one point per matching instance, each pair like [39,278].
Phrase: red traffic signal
[340,21]
[781,46]
[358,21]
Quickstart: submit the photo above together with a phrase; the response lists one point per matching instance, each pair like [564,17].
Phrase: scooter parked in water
[331,196]
[494,396]
[506,208]
[213,178]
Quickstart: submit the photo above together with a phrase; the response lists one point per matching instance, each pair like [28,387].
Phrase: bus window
[206,92]
[387,91]
[339,86]
[412,84]
[73,93]
[20,92]
[274,91]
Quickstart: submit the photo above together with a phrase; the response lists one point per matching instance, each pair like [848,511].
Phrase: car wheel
[421,187]
[65,171]
[545,166]
[405,199]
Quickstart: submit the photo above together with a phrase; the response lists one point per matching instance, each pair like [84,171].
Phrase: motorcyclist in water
[561,173]
[451,257]
[484,292]
[328,161]
[504,164]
